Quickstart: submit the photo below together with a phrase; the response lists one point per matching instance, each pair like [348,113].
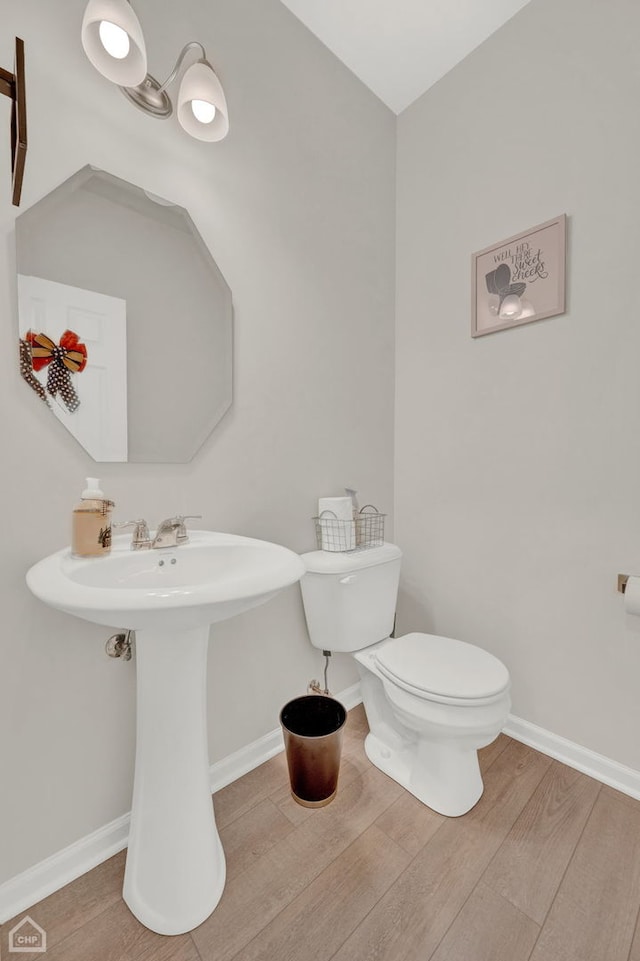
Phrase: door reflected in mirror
[125,320]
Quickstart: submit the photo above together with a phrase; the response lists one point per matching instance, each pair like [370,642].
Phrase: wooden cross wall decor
[12,86]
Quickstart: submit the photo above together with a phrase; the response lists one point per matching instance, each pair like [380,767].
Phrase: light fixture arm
[181,57]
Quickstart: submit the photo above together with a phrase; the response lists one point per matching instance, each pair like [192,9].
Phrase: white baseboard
[618,776]
[61,868]
[41,880]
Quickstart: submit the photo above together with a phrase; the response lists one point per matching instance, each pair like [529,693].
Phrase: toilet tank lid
[336,562]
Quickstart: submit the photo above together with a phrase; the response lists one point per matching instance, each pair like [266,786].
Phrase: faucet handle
[181,534]
[141,538]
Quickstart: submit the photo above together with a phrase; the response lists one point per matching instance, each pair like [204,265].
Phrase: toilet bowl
[431,702]
[430,713]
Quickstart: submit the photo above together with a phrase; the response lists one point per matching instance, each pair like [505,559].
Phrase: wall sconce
[113,41]
[12,86]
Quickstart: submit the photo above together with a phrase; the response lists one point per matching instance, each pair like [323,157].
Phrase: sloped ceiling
[399,48]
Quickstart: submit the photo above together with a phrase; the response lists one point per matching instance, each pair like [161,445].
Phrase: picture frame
[519,280]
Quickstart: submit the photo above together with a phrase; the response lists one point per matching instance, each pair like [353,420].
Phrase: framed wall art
[520,279]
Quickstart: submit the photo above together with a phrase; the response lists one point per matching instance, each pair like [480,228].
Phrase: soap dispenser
[91,522]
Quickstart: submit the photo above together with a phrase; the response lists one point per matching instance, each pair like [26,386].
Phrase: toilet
[431,701]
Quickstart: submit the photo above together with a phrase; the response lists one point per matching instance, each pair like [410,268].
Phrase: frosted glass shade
[200,83]
[127,71]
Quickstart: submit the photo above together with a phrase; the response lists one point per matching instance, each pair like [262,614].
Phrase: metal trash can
[312,726]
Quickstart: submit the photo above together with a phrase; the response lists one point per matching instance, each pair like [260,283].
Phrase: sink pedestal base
[175,870]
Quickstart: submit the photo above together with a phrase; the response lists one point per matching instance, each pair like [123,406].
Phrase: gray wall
[297,206]
[518,454]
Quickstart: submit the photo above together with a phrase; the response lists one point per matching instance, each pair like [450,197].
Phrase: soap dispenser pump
[91,522]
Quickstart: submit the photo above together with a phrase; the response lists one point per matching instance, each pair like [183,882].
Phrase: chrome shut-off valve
[120,645]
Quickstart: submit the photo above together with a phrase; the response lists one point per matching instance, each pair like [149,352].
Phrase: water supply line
[314,687]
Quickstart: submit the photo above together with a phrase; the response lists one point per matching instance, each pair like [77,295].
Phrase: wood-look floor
[546,867]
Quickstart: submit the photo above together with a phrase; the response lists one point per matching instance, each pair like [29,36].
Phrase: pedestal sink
[175,869]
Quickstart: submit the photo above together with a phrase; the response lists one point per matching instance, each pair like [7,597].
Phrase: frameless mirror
[125,321]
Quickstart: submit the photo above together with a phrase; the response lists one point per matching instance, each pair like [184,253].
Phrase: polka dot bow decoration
[63,359]
[26,369]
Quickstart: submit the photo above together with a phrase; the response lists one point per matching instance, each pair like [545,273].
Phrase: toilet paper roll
[342,507]
[337,527]
[632,596]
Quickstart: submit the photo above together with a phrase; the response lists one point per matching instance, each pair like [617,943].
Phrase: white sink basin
[212,577]
[175,869]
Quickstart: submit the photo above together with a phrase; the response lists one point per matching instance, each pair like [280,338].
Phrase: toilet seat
[442,669]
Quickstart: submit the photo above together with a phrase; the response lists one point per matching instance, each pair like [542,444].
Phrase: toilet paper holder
[622,582]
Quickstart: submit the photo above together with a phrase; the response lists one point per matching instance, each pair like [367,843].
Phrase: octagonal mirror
[125,320]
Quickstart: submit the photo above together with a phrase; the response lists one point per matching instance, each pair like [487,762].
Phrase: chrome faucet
[172,532]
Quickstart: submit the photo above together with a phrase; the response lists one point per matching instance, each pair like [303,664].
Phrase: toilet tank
[350,599]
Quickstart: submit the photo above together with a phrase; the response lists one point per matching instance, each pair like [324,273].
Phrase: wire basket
[364,531]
